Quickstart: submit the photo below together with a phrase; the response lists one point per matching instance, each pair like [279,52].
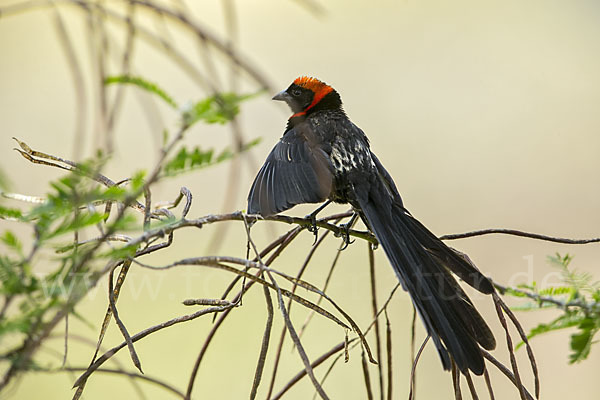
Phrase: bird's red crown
[313,84]
[320,89]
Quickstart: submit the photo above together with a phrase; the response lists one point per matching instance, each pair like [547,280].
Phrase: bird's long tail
[423,264]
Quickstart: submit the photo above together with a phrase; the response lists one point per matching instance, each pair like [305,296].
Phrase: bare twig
[207,302]
[78,82]
[515,232]
[107,355]
[374,309]
[283,242]
[513,361]
[334,350]
[365,368]
[296,340]
[505,371]
[388,349]
[488,383]
[523,336]
[135,375]
[413,370]
[472,389]
[115,313]
[456,381]
[275,368]
[264,346]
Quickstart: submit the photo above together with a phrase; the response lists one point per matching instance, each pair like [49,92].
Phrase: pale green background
[487,114]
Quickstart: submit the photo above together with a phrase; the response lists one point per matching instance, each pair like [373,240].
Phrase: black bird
[324,156]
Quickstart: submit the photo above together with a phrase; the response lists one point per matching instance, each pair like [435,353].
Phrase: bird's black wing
[387,179]
[297,171]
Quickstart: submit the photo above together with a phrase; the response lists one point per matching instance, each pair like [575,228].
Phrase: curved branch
[514,232]
[93,367]
[135,375]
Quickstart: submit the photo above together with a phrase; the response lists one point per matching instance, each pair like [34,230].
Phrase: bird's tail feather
[422,264]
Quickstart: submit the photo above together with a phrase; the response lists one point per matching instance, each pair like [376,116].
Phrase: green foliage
[10,213]
[10,240]
[71,228]
[142,84]
[220,109]
[581,341]
[578,299]
[13,278]
[70,207]
[190,160]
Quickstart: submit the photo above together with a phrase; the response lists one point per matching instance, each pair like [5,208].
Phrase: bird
[323,157]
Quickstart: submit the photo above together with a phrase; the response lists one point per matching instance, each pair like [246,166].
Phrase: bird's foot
[345,234]
[313,228]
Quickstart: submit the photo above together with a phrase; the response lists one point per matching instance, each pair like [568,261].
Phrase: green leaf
[21,323]
[189,160]
[77,222]
[581,342]
[226,154]
[251,144]
[532,306]
[121,252]
[220,108]
[12,241]
[143,84]
[556,291]
[564,321]
[10,213]
[178,162]
[14,278]
[127,223]
[137,181]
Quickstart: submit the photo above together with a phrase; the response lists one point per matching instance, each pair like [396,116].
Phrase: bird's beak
[282,96]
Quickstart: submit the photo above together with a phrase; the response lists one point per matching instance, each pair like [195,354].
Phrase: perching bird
[324,156]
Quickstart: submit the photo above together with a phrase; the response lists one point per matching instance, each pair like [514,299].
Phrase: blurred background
[485,113]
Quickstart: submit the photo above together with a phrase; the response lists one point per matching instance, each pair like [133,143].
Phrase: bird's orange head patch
[311,83]
[320,89]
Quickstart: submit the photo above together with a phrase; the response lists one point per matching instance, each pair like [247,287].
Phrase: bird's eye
[296,92]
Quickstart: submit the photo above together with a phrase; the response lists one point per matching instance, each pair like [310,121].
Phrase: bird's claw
[345,234]
[313,228]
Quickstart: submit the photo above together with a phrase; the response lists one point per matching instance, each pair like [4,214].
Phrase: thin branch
[78,82]
[388,348]
[515,232]
[472,389]
[135,375]
[296,340]
[517,378]
[374,309]
[578,303]
[523,336]
[488,383]
[413,370]
[264,346]
[275,368]
[335,349]
[505,371]
[456,381]
[115,313]
[284,241]
[107,355]
[366,376]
